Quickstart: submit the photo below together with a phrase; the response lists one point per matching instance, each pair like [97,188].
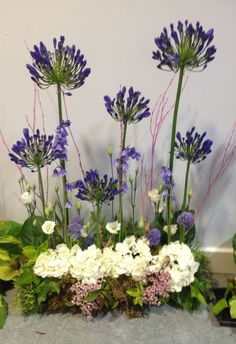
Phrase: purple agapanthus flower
[95,189]
[127,154]
[90,240]
[33,151]
[74,228]
[193,147]
[166,176]
[128,109]
[64,66]
[186,45]
[186,219]
[154,237]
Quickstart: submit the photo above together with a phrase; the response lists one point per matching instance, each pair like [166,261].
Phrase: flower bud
[190,192]
[34,186]
[141,222]
[28,187]
[78,205]
[20,179]
[56,188]
[109,150]
[161,188]
[131,179]
[34,223]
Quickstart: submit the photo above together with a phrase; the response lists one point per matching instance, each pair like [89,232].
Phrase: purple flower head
[64,66]
[60,142]
[154,237]
[166,176]
[95,189]
[130,109]
[127,154]
[33,151]
[186,219]
[193,147]
[186,45]
[74,228]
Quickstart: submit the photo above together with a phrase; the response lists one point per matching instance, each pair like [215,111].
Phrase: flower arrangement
[107,261]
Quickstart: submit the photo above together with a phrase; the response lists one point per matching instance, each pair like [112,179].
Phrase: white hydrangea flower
[49,264]
[113,227]
[154,195]
[27,198]
[181,264]
[48,227]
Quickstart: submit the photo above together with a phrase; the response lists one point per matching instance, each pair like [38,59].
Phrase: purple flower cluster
[81,291]
[65,66]
[158,286]
[33,151]
[59,146]
[74,228]
[186,219]
[90,240]
[131,109]
[166,176]
[154,237]
[126,154]
[193,148]
[186,46]
[95,189]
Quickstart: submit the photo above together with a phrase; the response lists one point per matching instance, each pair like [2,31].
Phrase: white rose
[27,197]
[154,195]
[173,229]
[48,227]
[113,227]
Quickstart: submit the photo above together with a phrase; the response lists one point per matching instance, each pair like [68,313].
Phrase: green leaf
[8,271]
[116,304]
[198,295]
[92,296]
[10,228]
[3,311]
[46,288]
[9,239]
[234,246]
[230,286]
[219,306]
[32,233]
[133,292]
[27,277]
[232,304]
[4,255]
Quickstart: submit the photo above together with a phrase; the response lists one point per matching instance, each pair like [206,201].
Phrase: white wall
[117,38]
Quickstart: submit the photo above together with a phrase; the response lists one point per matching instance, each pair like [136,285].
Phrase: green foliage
[31,253]
[3,311]
[232,305]
[32,233]
[234,247]
[10,228]
[137,294]
[228,301]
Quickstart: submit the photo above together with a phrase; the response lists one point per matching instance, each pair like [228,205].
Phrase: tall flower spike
[186,46]
[95,190]
[130,109]
[193,147]
[65,66]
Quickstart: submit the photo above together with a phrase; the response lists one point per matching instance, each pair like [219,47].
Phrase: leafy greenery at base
[3,311]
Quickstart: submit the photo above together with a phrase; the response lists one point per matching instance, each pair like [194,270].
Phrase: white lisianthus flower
[113,227]
[154,195]
[27,197]
[48,227]
[173,229]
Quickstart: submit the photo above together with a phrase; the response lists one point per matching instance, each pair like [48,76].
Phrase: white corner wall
[117,38]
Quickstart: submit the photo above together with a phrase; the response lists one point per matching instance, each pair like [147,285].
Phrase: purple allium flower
[186,46]
[166,177]
[90,240]
[192,148]
[33,151]
[65,66]
[154,237]
[131,109]
[186,219]
[95,190]
[74,228]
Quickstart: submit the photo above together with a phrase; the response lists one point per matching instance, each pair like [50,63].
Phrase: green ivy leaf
[32,233]
[3,311]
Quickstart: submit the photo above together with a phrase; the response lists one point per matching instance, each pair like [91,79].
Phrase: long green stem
[41,191]
[121,232]
[98,241]
[173,134]
[186,185]
[112,174]
[64,181]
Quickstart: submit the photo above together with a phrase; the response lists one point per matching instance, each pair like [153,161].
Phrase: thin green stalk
[182,234]
[98,241]
[112,174]
[173,134]
[64,180]
[186,185]
[121,232]
[41,191]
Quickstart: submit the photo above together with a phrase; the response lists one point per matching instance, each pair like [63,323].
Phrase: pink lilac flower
[158,286]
